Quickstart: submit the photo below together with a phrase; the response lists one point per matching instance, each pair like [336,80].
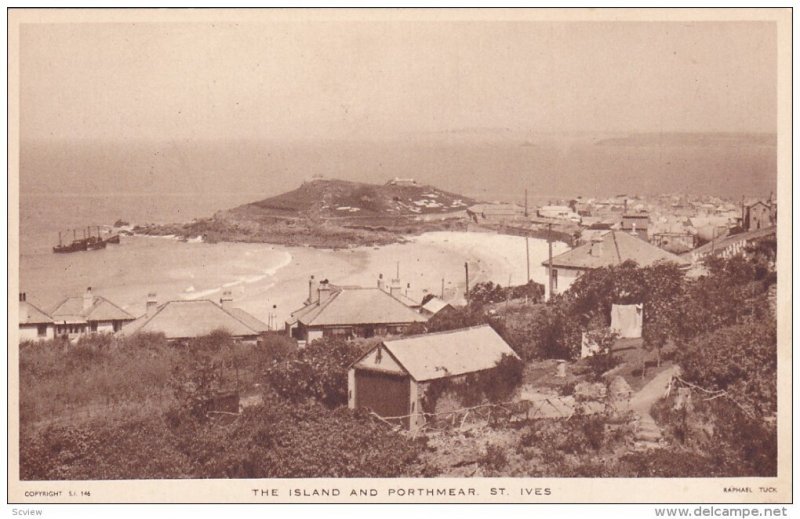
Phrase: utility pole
[442,288]
[527,260]
[466,272]
[550,258]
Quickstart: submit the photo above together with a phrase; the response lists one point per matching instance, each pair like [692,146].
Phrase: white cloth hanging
[626,321]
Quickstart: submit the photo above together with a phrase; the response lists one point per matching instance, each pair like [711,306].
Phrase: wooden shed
[392,377]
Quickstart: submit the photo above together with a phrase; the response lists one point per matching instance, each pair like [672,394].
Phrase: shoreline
[270,281]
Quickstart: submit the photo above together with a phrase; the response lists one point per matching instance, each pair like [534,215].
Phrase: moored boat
[88,242]
[94,243]
[75,246]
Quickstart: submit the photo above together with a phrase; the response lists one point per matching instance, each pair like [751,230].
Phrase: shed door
[384,393]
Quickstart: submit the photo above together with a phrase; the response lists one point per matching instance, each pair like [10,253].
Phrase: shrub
[499,384]
[740,359]
[273,440]
[494,459]
[603,360]
[317,371]
[573,436]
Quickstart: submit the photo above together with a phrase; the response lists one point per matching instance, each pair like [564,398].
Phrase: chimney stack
[152,304]
[312,290]
[324,291]
[226,299]
[381,283]
[396,287]
[88,298]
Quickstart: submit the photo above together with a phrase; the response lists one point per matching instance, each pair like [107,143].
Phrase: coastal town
[465,368]
[400,255]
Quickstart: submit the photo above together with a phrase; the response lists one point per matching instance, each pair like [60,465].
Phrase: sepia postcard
[399,256]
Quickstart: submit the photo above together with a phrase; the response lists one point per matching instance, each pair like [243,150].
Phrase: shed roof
[31,314]
[71,310]
[614,248]
[435,305]
[448,354]
[350,306]
[189,319]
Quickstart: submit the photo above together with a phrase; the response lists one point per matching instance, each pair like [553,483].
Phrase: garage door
[385,393]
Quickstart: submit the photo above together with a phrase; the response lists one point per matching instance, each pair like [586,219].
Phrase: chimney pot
[152,303]
[88,298]
[324,291]
[313,291]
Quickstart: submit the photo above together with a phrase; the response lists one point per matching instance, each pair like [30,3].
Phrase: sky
[392,79]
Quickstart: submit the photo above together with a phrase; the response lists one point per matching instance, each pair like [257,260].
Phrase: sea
[67,186]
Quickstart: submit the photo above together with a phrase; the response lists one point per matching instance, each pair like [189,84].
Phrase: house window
[554,277]
[93,326]
[117,326]
[41,330]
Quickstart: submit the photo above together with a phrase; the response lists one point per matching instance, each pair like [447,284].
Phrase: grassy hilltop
[331,213]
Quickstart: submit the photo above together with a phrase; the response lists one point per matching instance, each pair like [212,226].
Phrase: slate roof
[435,305]
[195,318]
[614,248]
[248,319]
[720,244]
[71,310]
[351,306]
[406,300]
[31,314]
[446,354]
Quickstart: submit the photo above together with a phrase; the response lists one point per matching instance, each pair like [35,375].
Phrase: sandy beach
[266,279]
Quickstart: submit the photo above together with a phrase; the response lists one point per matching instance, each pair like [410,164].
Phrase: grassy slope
[329,214]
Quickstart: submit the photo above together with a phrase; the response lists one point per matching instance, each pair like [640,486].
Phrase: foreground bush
[57,379]
[273,440]
[318,371]
[106,375]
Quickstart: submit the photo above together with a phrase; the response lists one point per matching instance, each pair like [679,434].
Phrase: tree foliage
[740,359]
[318,371]
[486,293]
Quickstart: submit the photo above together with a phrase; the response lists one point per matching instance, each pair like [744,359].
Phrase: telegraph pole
[527,260]
[466,272]
[550,258]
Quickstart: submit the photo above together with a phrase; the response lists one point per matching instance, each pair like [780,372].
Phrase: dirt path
[643,400]
[648,433]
